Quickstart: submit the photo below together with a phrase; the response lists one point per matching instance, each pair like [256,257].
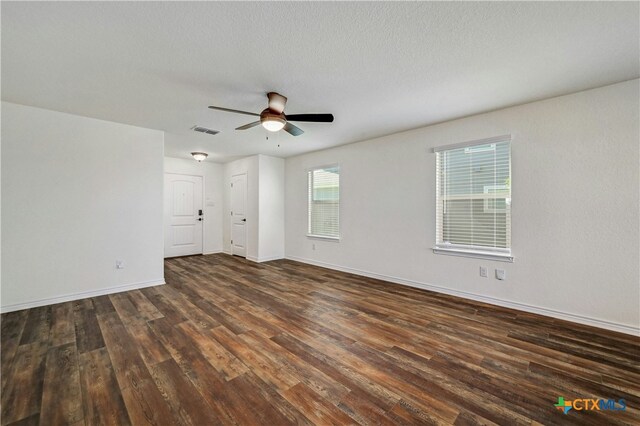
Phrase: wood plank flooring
[228,341]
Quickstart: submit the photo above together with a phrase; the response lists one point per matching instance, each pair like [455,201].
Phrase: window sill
[323,237]
[500,257]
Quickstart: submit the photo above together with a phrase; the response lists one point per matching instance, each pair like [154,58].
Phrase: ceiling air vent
[204,130]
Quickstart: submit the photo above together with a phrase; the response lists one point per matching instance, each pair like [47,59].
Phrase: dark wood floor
[228,341]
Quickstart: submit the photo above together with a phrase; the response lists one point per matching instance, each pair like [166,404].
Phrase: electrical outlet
[119,264]
[483,271]
[501,274]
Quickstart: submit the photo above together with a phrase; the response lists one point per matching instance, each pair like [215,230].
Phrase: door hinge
[232,185]
[231,241]
[231,213]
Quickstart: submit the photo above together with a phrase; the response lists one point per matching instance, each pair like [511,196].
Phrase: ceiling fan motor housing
[277,102]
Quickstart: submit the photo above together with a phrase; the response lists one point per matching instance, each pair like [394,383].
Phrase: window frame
[487,208]
[462,250]
[309,201]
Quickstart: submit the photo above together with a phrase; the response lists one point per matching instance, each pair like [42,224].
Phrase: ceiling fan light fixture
[272,123]
[199,156]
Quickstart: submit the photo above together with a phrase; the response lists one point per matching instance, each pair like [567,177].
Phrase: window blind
[324,202]
[473,197]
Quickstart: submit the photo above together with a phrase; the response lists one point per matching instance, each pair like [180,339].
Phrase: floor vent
[204,130]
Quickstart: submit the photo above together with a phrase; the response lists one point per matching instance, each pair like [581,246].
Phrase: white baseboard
[81,295]
[608,325]
[212,252]
[256,259]
[264,259]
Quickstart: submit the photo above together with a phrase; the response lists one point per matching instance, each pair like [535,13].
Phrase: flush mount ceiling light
[199,156]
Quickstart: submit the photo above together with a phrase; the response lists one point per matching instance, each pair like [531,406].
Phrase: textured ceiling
[378,67]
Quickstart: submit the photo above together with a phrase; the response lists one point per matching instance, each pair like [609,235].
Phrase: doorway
[239,215]
[182,215]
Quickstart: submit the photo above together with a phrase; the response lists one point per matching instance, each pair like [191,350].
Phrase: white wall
[249,166]
[575,208]
[213,181]
[271,208]
[0,212]
[77,194]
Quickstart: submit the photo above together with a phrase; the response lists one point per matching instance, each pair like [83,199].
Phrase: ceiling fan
[274,119]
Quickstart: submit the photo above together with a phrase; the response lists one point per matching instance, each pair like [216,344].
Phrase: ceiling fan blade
[313,118]
[293,130]
[234,110]
[248,126]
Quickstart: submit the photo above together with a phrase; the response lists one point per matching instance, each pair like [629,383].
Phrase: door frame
[246,208]
[204,210]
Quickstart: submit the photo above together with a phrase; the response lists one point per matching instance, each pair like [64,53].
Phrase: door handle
[244,220]
[199,219]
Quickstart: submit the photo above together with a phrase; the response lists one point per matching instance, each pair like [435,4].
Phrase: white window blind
[324,202]
[473,198]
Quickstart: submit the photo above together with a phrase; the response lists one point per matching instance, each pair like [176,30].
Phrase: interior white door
[239,215]
[182,215]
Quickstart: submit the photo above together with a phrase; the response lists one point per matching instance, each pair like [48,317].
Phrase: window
[324,202]
[473,199]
